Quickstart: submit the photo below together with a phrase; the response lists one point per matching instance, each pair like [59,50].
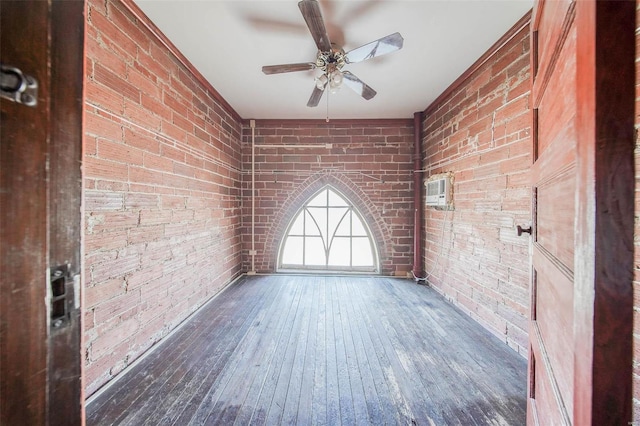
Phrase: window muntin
[328,234]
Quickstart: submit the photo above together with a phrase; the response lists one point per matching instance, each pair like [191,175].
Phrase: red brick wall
[370,162]
[162,186]
[636,284]
[481,133]
[168,199]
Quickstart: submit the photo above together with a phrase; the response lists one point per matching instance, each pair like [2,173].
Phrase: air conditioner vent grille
[439,190]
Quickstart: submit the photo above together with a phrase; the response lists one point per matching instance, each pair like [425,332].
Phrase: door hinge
[17,86]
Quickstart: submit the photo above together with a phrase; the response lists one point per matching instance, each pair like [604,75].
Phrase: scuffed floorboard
[322,350]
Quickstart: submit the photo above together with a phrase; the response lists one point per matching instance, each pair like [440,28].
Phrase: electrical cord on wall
[439,255]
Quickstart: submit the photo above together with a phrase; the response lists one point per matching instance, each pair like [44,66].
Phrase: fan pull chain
[328,93]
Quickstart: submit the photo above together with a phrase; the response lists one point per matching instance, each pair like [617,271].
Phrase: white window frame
[374,269]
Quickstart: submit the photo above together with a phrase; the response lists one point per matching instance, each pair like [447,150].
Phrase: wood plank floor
[322,350]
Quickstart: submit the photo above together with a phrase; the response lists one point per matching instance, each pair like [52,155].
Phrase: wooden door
[40,215]
[582,249]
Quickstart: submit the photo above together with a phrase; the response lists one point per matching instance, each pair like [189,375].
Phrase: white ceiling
[229,42]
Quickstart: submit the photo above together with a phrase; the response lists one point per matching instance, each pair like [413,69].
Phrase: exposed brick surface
[636,283]
[370,162]
[162,185]
[167,179]
[481,133]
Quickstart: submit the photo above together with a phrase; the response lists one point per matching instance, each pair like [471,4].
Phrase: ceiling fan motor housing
[331,61]
[331,58]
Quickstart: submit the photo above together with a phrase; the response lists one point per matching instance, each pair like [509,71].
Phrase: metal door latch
[60,303]
[18,87]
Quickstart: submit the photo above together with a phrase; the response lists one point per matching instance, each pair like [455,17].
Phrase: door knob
[522,230]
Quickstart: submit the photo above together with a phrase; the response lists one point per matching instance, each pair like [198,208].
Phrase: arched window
[328,234]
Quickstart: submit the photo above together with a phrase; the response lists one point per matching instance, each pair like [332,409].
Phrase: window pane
[314,252]
[340,252]
[335,216]
[310,226]
[320,216]
[292,253]
[358,227]
[344,230]
[319,200]
[362,255]
[336,200]
[298,226]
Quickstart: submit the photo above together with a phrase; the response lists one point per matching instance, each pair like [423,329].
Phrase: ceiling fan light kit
[332,58]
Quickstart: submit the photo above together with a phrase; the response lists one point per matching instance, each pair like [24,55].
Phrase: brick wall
[168,190]
[370,162]
[636,283]
[480,131]
[162,185]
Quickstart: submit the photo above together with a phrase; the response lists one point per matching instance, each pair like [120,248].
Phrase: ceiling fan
[332,58]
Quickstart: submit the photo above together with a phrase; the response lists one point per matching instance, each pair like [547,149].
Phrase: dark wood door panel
[550,31]
[604,313]
[65,197]
[554,320]
[23,227]
[555,215]
[40,220]
[551,365]
[556,100]
[547,408]
[580,367]
[548,21]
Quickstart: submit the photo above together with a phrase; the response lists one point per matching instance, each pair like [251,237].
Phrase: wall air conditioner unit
[439,190]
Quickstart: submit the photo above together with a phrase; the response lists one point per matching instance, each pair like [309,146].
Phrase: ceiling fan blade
[329,9]
[358,10]
[314,100]
[278,69]
[269,24]
[358,86]
[380,47]
[313,17]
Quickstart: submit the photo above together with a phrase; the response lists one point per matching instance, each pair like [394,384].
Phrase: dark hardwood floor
[322,350]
